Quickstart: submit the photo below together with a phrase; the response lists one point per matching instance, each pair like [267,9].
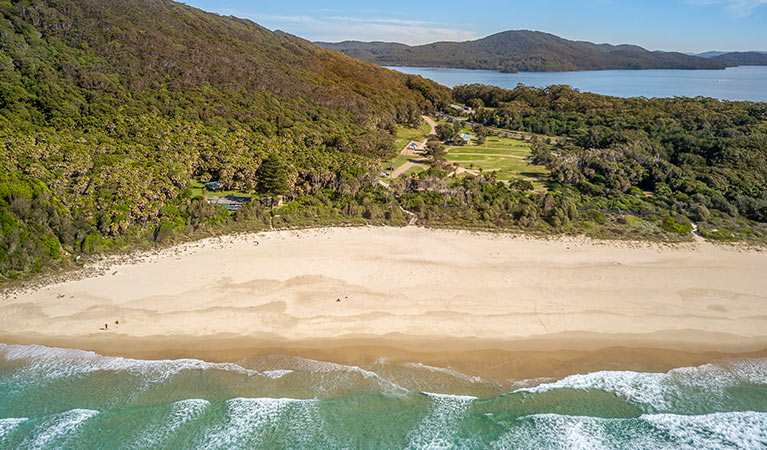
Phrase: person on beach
[106,326]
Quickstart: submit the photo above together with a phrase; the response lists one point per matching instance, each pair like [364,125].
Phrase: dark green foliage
[595,216]
[110,110]
[514,51]
[272,177]
[700,159]
[435,150]
[676,225]
[450,133]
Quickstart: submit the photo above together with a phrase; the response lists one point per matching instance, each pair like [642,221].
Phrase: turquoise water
[57,398]
[734,83]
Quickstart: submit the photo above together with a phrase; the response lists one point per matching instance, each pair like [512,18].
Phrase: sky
[672,25]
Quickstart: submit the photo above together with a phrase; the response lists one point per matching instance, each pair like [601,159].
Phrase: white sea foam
[734,430]
[445,370]
[437,429]
[185,410]
[315,367]
[54,431]
[527,383]
[458,398]
[646,388]
[741,430]
[180,413]
[40,364]
[9,425]
[278,373]
[248,419]
[51,362]
[657,390]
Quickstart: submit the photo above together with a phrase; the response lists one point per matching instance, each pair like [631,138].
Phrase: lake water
[734,83]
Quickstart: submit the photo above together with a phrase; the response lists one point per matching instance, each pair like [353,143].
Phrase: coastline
[513,306]
[524,359]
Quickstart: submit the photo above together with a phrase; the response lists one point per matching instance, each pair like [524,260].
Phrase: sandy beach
[347,293]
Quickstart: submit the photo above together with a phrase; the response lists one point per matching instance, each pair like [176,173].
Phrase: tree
[480,132]
[271,177]
[475,103]
[445,132]
[435,150]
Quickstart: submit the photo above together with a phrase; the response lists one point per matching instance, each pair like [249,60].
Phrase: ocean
[733,83]
[60,398]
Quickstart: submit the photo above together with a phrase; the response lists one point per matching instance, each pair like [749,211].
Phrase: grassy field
[412,170]
[407,134]
[507,157]
[471,150]
[404,136]
[395,162]
[503,143]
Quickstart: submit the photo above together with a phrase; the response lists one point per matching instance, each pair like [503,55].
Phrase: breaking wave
[57,398]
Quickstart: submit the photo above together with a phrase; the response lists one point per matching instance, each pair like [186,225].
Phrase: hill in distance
[529,51]
[743,58]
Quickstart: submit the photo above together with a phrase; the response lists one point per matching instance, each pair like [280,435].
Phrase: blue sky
[680,25]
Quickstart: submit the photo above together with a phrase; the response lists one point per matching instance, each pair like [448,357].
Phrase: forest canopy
[700,158]
[110,111]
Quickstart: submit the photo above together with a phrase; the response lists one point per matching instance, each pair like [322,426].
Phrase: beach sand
[492,302]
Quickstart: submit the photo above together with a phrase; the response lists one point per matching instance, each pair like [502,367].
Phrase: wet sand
[512,305]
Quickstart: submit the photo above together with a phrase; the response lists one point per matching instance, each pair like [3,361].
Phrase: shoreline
[539,306]
[99,264]
[512,360]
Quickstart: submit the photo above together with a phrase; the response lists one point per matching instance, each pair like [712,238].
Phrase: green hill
[530,51]
[111,111]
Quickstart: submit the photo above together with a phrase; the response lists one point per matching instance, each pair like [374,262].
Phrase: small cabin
[466,138]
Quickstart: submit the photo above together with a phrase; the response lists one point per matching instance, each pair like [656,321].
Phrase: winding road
[410,152]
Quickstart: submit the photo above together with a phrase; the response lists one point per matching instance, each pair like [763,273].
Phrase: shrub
[676,225]
[595,216]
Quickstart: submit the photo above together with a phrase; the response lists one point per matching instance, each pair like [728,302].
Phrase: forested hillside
[743,58]
[686,159]
[111,110]
[522,51]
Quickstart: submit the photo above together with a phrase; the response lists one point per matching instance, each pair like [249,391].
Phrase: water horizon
[741,83]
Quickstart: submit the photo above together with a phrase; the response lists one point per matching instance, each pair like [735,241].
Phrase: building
[230,202]
[466,138]
[214,186]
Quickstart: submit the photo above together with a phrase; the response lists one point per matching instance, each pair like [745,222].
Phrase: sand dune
[413,285]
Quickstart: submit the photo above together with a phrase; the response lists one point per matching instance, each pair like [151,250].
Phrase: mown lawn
[507,157]
[407,134]
[412,170]
[502,142]
[490,151]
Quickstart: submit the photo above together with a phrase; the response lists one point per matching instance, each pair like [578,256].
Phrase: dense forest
[523,51]
[111,110]
[114,113]
[693,159]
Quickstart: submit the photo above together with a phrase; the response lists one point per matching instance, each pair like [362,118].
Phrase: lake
[734,83]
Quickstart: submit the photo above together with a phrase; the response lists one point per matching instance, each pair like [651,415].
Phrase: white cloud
[738,8]
[341,28]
